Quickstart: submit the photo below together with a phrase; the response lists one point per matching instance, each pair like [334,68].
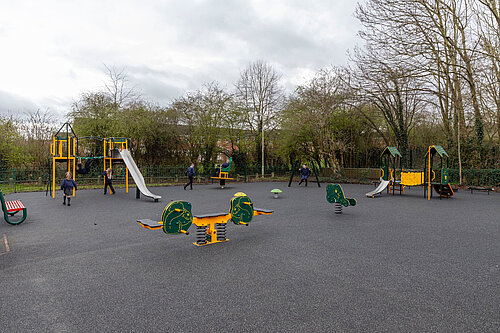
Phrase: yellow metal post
[429,176]
[74,173]
[53,177]
[126,169]
[104,159]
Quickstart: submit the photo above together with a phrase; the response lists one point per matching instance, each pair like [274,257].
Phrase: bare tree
[315,121]
[38,128]
[437,40]
[488,18]
[202,112]
[380,80]
[260,96]
[117,87]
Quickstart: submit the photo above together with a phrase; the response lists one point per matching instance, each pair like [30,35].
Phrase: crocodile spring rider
[335,194]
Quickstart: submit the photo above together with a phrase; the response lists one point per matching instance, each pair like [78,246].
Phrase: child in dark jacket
[67,186]
[108,181]
[190,174]
[304,172]
[84,170]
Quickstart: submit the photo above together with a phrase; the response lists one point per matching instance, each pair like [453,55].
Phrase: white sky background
[53,50]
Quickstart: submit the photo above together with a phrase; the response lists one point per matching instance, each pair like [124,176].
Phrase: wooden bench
[11,208]
[477,188]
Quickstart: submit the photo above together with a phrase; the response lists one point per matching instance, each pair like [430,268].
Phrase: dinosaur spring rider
[335,194]
[210,228]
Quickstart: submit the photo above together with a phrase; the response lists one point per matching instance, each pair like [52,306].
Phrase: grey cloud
[12,105]
[213,27]
[231,33]
[166,85]
[20,107]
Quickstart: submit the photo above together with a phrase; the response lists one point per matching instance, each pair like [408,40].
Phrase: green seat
[228,168]
[177,217]
[7,213]
[241,210]
[335,194]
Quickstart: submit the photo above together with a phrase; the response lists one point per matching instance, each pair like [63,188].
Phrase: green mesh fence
[470,177]
[476,177]
[40,179]
[20,180]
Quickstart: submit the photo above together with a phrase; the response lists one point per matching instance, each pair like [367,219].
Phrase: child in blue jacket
[108,181]
[190,174]
[67,186]
[304,172]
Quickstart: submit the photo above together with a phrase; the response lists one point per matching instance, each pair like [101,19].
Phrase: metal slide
[383,184]
[136,174]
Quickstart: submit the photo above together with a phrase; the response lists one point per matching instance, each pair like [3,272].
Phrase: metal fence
[23,180]
[470,177]
[361,174]
[20,180]
[17,180]
[476,177]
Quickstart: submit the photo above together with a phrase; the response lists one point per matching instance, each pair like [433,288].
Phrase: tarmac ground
[388,264]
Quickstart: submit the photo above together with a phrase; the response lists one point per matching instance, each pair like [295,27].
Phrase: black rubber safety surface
[389,264]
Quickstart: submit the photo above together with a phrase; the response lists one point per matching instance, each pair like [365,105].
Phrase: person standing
[108,181]
[190,173]
[67,186]
[304,172]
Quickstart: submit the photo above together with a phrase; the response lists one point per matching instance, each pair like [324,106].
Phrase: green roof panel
[440,150]
[391,150]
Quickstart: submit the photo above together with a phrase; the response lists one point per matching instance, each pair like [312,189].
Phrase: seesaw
[210,228]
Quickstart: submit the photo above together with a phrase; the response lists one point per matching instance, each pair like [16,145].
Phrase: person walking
[108,181]
[190,173]
[67,186]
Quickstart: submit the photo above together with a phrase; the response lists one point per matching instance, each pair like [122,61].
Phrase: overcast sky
[53,50]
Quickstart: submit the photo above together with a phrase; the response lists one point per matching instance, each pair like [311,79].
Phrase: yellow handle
[433,175]
[52,149]
[382,173]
